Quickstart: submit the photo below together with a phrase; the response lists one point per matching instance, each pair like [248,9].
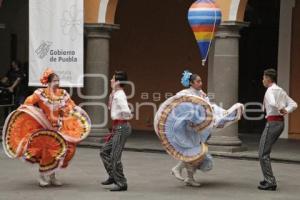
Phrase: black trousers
[111,154]
[270,135]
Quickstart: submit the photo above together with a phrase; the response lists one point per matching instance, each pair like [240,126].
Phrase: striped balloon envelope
[204,17]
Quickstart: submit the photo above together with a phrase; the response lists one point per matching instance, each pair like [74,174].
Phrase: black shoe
[109,181]
[118,188]
[267,186]
[263,182]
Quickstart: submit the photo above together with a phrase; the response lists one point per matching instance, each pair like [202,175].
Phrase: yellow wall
[224,5]
[111,11]
[241,11]
[91,10]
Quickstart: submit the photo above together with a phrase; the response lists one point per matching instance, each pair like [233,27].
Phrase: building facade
[152,41]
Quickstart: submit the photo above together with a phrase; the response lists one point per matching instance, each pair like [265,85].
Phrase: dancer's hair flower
[185,80]
[44,78]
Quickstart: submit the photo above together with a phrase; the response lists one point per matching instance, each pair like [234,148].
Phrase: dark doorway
[258,51]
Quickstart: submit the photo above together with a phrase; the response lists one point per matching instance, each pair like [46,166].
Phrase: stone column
[223,82]
[97,80]
[284,51]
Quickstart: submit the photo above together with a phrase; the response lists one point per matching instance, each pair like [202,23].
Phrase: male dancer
[112,150]
[277,104]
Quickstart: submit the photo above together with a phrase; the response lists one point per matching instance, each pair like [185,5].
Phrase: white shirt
[119,109]
[276,99]
[193,91]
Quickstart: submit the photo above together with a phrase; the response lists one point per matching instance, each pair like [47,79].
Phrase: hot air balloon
[204,17]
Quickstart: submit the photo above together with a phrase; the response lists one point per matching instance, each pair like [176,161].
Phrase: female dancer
[46,129]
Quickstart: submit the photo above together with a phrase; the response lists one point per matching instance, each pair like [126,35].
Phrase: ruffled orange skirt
[27,134]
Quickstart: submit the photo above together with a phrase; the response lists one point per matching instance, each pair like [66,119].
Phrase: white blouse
[193,91]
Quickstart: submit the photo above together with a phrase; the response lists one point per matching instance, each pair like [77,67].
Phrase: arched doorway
[258,51]
[154,45]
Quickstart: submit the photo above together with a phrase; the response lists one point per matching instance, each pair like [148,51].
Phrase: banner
[56,40]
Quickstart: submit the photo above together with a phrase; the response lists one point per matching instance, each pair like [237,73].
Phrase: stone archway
[103,11]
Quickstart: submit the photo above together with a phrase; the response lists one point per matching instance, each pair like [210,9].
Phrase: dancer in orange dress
[46,129]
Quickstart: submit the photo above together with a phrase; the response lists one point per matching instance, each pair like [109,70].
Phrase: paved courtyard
[149,178]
